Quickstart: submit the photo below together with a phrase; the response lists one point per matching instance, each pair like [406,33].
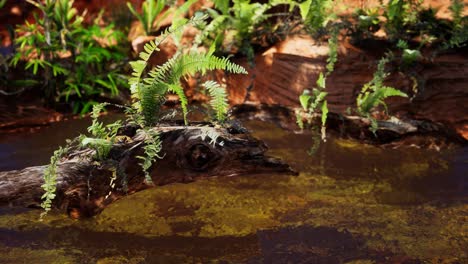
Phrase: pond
[350,203]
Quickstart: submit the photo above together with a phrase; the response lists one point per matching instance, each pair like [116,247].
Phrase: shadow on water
[303,244]
[351,203]
[20,150]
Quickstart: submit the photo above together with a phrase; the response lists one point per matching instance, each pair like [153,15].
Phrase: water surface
[351,203]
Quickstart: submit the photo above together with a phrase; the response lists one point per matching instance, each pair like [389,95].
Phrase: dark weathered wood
[84,186]
[394,131]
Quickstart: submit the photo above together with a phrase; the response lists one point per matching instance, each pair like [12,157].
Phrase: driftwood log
[85,187]
[392,132]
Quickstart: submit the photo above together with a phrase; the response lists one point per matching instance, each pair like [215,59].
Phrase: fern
[169,74]
[374,93]
[102,136]
[316,14]
[149,92]
[316,100]
[152,149]
[219,99]
[179,90]
[50,180]
[233,27]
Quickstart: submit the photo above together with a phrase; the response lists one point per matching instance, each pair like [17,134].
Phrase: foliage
[154,12]
[50,180]
[152,149]
[409,56]
[219,99]
[374,92]
[459,34]
[400,14]
[316,100]
[316,14]
[234,28]
[103,137]
[148,92]
[151,15]
[2,3]
[72,60]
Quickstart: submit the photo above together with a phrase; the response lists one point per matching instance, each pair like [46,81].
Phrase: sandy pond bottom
[351,203]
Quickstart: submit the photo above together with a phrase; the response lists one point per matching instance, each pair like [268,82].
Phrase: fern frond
[149,49]
[160,73]
[152,149]
[378,97]
[179,90]
[192,63]
[215,26]
[374,92]
[219,99]
[152,97]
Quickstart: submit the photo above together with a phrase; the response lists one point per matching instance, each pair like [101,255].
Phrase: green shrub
[69,59]
[233,29]
[374,92]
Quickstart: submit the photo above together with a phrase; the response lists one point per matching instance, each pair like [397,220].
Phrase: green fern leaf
[219,99]
[179,90]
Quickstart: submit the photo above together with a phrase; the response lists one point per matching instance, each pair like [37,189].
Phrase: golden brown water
[351,203]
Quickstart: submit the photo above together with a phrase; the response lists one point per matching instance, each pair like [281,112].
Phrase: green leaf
[304,8]
[321,81]
[324,112]
[304,99]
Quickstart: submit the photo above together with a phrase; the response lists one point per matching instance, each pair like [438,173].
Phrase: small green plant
[154,12]
[400,14]
[316,15]
[367,23]
[102,136]
[152,149]
[149,92]
[316,100]
[408,56]
[459,31]
[233,29]
[50,180]
[151,14]
[70,59]
[374,92]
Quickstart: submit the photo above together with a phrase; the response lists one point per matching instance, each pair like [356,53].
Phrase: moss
[120,260]
[21,255]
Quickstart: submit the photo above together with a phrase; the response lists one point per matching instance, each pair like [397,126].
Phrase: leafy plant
[459,31]
[151,15]
[409,56]
[154,12]
[374,92]
[50,180]
[367,22]
[316,100]
[152,149]
[149,91]
[400,14]
[234,28]
[71,59]
[103,136]
[316,14]
[219,99]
